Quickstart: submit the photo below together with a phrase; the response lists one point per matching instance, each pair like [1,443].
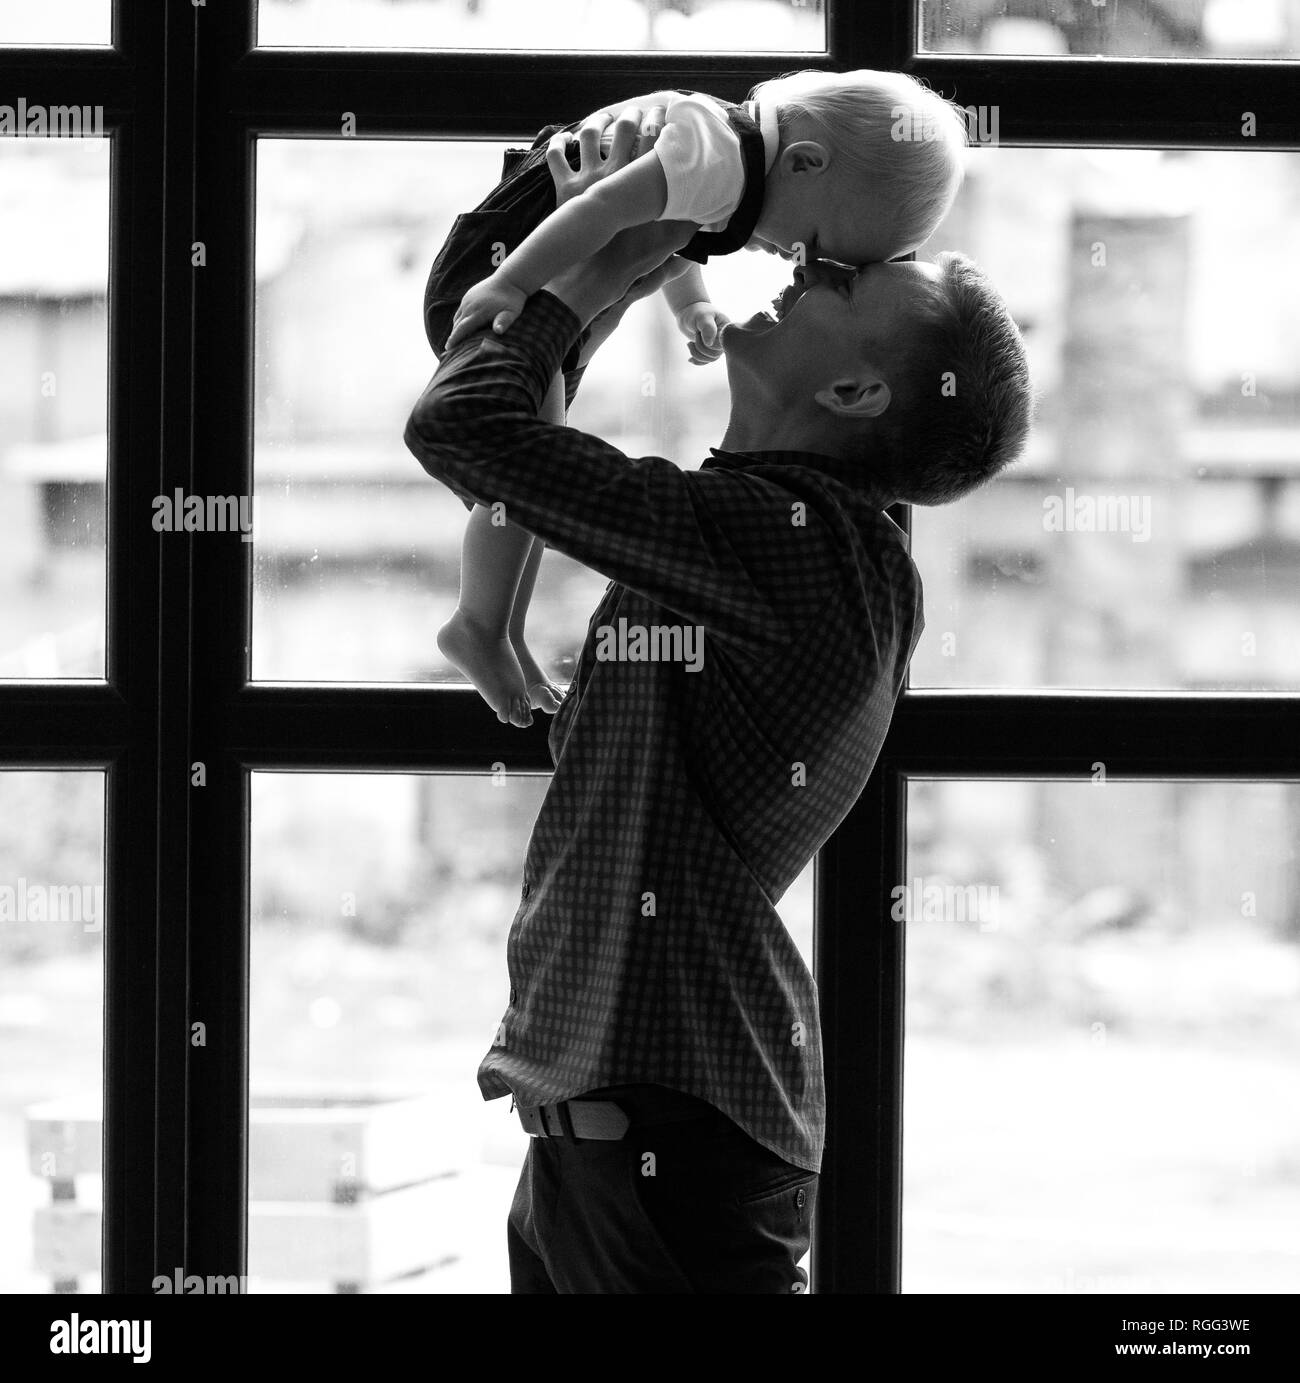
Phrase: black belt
[609,1119]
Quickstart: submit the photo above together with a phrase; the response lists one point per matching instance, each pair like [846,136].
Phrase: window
[54,222]
[771,26]
[52,920]
[1101,985]
[1142,29]
[356,556]
[255,713]
[72,23]
[1151,536]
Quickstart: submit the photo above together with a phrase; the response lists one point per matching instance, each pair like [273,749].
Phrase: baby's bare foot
[543,694]
[489,662]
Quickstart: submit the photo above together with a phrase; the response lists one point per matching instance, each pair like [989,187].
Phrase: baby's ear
[805,156]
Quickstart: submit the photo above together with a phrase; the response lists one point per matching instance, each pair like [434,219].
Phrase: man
[662,1036]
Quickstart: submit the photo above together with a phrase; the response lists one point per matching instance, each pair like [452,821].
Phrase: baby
[857,167]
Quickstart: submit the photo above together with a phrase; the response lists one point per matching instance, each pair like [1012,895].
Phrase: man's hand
[702,324]
[606,143]
[494,302]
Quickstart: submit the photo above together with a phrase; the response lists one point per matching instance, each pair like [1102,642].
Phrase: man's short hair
[961,400]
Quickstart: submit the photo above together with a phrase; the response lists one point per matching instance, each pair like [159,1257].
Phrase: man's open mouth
[766,318]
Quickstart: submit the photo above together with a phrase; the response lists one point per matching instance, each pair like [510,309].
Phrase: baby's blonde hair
[901,136]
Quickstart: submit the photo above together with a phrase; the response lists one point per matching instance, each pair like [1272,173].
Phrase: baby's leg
[484,638]
[542,692]
[476,639]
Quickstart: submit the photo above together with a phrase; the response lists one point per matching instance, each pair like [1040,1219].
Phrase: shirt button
[528,888]
[801,1196]
[514,994]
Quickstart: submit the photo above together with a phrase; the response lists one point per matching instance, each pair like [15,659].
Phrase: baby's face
[828,216]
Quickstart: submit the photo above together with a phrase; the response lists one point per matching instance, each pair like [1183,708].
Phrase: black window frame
[185,95]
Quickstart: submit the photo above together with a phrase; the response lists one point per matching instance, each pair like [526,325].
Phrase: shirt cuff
[547,327]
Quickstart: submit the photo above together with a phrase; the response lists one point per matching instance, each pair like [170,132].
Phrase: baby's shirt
[701,157]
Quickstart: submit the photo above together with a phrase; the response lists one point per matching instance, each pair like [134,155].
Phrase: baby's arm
[572,233]
[695,315]
[685,289]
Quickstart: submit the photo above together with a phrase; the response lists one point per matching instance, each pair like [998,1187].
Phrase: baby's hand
[495,302]
[702,323]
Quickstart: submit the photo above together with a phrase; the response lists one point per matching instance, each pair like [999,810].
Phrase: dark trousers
[480,239]
[685,1207]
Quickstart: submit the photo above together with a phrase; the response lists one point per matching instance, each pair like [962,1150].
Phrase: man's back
[647,947]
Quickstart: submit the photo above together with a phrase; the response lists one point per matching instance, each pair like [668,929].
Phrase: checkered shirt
[647,947]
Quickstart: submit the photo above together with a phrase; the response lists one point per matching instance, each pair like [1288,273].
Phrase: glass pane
[1150,537]
[1131,29]
[767,26]
[357,549]
[51,1030]
[1103,983]
[53,405]
[380,908]
[83,23]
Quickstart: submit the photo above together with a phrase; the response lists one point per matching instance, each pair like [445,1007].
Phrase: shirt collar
[767,123]
[850,473]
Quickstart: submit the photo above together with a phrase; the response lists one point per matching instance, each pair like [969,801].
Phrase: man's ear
[864,396]
[805,156]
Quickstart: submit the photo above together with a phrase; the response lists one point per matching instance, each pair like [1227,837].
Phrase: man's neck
[753,441]
[746,434]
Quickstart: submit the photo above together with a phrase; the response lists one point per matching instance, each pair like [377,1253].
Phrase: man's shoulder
[850,529]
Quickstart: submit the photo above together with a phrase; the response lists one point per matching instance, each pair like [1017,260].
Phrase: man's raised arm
[475,427]
[705,544]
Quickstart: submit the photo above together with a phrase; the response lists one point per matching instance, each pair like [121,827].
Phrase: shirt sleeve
[719,547]
[702,162]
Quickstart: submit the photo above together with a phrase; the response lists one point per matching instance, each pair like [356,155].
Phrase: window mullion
[142,712]
[859,969]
